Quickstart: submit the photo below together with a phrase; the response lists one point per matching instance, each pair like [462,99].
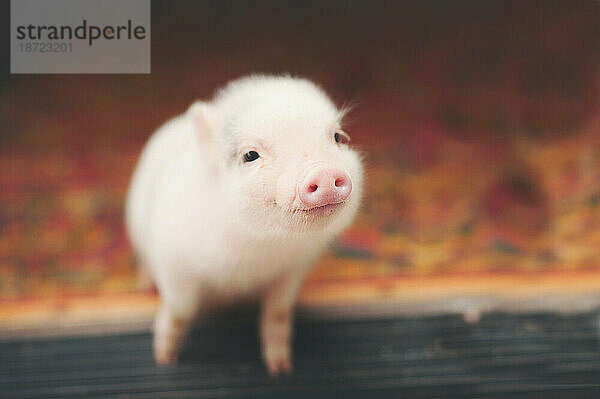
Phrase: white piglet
[236,199]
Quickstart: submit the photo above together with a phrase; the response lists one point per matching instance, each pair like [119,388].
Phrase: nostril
[323,186]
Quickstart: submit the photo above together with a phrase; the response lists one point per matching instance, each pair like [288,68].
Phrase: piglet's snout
[324,186]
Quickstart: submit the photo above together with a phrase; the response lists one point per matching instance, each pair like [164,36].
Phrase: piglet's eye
[251,156]
[341,137]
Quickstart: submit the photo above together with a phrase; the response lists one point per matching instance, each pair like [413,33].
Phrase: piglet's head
[279,150]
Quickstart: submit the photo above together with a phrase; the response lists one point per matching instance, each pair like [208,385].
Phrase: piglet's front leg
[180,302]
[169,333]
[276,322]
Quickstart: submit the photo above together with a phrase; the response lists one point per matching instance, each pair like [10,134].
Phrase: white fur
[212,229]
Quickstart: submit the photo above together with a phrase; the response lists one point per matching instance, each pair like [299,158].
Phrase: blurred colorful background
[480,122]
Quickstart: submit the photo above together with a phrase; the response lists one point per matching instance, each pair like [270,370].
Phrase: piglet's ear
[204,117]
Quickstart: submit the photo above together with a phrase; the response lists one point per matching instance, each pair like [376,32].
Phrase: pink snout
[324,186]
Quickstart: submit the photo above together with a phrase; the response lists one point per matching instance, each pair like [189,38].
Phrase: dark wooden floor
[502,356]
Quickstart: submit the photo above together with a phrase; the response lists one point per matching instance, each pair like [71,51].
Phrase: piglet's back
[166,146]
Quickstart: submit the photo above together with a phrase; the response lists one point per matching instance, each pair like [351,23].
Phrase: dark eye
[251,156]
[341,137]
